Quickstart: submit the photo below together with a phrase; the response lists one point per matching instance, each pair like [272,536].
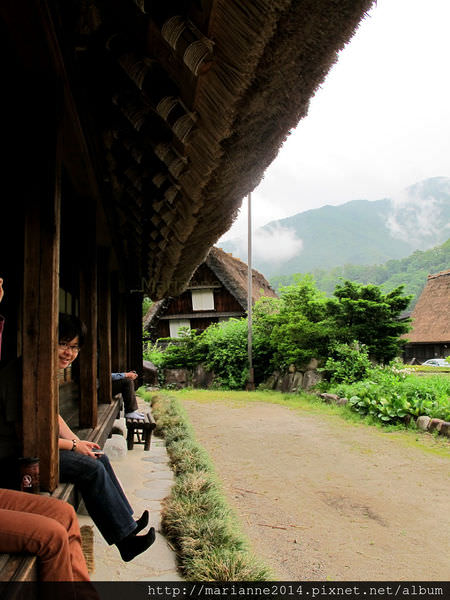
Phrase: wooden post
[251,373]
[122,334]
[88,314]
[104,327]
[115,322]
[134,332]
[40,326]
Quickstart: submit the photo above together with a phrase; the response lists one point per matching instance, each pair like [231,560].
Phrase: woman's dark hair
[71,327]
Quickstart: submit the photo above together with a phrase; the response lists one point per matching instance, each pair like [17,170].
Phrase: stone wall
[293,381]
[181,378]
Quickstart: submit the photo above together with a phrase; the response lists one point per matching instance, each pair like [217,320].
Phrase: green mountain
[360,232]
[412,272]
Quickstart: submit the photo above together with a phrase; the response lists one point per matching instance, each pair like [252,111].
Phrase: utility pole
[251,374]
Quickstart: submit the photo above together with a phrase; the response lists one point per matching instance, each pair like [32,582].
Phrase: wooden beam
[88,314]
[104,327]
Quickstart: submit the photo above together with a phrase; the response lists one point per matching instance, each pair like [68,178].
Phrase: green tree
[294,329]
[365,313]
[347,363]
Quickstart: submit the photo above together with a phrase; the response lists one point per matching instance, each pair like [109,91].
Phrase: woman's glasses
[74,348]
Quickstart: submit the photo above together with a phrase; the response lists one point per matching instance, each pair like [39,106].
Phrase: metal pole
[251,378]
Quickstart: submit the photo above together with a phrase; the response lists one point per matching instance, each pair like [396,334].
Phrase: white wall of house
[202,299]
[176,324]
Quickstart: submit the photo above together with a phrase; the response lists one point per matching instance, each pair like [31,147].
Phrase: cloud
[416,217]
[275,244]
[378,123]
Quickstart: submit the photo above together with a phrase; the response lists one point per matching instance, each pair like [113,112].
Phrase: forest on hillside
[412,272]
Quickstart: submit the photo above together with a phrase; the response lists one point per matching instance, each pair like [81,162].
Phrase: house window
[202,300]
[176,324]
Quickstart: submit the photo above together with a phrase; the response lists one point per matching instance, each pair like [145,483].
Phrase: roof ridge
[439,274]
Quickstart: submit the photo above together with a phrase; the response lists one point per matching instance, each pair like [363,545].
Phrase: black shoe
[133,545]
[141,523]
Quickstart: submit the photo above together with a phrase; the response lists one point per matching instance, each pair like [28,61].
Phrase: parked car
[436,362]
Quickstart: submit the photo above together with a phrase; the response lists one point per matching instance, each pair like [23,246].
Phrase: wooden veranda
[131,132]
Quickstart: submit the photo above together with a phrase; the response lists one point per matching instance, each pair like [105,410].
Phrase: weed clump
[196,517]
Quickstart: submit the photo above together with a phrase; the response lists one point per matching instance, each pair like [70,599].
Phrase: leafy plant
[185,352]
[153,353]
[392,396]
[348,363]
[226,352]
[146,303]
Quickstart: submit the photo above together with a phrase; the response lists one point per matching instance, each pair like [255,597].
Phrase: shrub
[348,363]
[184,353]
[227,353]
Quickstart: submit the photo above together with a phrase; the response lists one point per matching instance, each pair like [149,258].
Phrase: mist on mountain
[359,232]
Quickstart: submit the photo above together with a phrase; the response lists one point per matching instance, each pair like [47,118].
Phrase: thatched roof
[431,315]
[155,311]
[190,101]
[233,274]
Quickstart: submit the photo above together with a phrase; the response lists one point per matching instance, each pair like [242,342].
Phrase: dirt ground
[320,498]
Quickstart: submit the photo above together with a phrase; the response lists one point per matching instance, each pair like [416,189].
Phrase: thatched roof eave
[233,273]
[189,127]
[431,315]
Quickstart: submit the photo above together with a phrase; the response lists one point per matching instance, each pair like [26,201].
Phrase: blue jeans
[126,388]
[102,493]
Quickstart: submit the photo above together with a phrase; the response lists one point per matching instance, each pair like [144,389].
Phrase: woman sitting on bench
[91,472]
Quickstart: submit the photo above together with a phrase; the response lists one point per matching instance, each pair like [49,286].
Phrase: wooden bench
[142,429]
[23,567]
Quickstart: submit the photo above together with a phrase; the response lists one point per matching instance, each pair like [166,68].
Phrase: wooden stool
[142,428]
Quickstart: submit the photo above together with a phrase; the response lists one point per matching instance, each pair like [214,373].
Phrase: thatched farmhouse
[430,334]
[131,130]
[216,292]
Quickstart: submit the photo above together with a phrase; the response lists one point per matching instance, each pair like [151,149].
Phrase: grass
[428,370]
[196,518]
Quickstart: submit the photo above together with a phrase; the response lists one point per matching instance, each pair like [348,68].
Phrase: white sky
[379,123]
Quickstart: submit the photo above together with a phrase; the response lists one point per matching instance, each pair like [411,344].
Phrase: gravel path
[320,498]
